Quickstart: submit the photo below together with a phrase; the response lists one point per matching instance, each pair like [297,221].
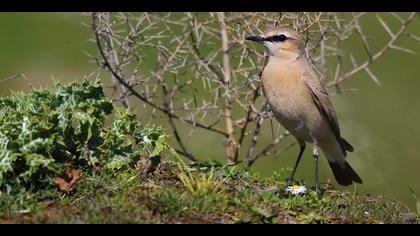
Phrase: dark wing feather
[323,102]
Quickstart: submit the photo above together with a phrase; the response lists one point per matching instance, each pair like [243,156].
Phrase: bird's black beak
[258,39]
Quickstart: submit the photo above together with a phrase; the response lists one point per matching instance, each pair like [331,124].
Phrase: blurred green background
[380,121]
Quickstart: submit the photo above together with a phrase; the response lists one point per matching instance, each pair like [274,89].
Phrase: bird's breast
[285,90]
[290,100]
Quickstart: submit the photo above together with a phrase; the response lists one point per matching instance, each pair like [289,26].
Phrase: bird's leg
[302,145]
[315,154]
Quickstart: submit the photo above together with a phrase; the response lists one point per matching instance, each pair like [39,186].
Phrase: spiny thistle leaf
[42,131]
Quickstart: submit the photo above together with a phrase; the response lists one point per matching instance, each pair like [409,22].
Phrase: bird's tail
[344,174]
[346,145]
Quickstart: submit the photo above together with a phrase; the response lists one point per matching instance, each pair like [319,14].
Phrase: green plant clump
[43,132]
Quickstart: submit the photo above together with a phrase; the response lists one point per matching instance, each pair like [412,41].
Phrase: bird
[300,103]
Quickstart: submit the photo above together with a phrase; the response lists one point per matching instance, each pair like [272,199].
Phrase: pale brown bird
[301,104]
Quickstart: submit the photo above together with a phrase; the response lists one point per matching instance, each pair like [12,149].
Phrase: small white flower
[147,140]
[296,189]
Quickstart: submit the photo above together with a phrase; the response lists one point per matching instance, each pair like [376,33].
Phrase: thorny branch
[381,52]
[140,96]
[231,143]
[196,71]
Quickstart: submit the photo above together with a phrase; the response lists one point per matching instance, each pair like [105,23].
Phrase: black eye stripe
[276,38]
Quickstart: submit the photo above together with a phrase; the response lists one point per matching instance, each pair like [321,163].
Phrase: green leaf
[159,146]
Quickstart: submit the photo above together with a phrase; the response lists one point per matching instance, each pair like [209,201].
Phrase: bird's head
[280,42]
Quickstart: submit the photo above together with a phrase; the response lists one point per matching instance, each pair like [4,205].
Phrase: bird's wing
[323,102]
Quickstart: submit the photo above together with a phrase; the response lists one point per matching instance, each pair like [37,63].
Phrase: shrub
[43,132]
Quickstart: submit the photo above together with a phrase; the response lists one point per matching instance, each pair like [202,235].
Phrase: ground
[204,192]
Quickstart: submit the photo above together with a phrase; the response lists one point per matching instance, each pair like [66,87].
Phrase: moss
[162,197]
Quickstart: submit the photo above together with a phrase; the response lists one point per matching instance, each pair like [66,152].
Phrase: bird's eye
[276,38]
[281,38]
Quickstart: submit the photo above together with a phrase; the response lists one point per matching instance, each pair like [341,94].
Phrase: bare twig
[256,133]
[20,75]
[266,150]
[10,78]
[143,98]
[247,119]
[377,55]
[231,143]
